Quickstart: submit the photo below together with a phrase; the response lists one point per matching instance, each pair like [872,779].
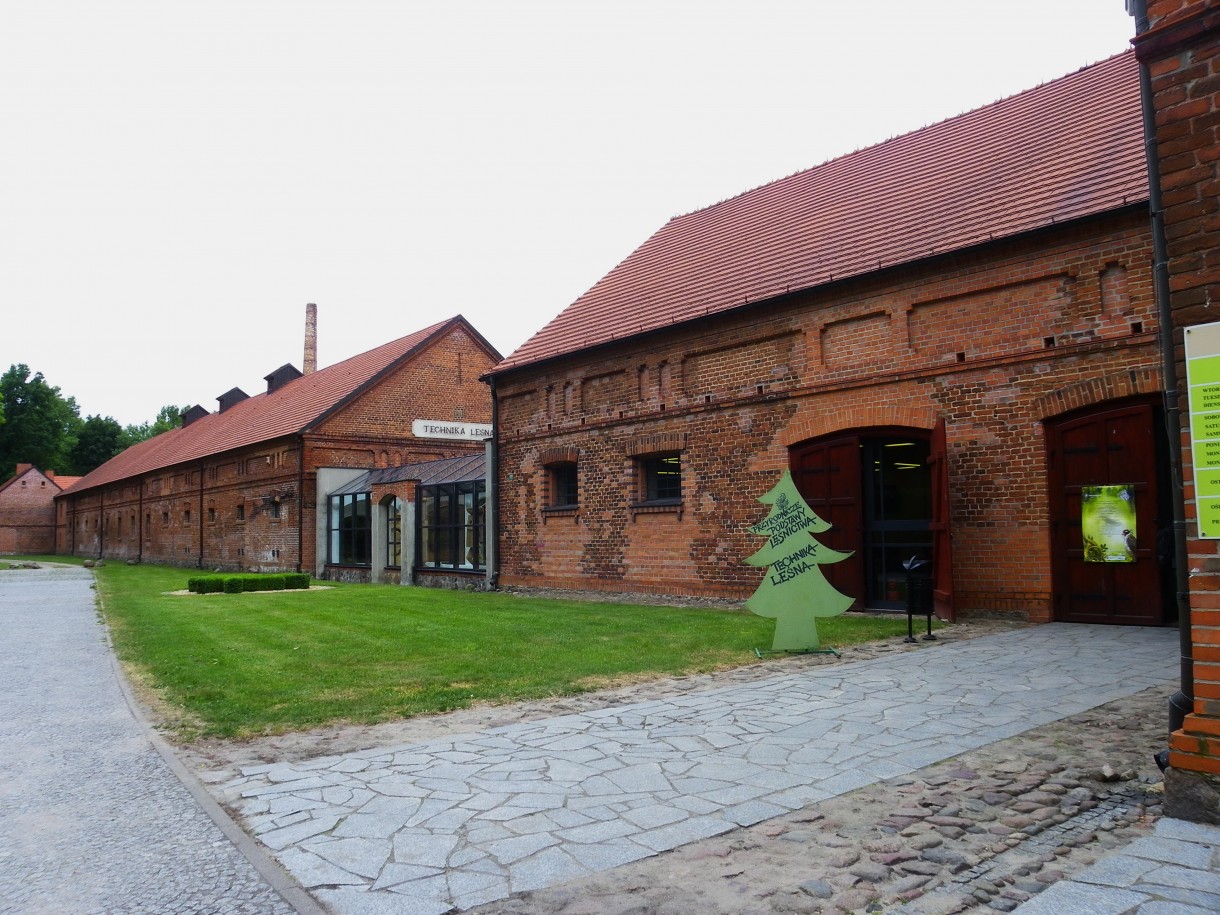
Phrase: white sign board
[1203,386]
[439,428]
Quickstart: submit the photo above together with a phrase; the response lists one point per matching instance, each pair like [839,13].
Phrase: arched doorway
[1109,514]
[874,486]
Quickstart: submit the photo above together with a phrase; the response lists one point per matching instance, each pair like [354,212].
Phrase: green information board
[1203,396]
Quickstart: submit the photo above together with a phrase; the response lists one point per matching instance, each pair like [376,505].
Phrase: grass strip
[242,665]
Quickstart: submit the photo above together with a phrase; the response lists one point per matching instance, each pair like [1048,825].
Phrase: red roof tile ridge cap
[843,157]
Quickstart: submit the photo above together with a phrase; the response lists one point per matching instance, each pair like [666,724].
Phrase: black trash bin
[919,596]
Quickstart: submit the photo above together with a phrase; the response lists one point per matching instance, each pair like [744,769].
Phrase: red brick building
[238,488]
[27,510]
[948,338]
[1179,48]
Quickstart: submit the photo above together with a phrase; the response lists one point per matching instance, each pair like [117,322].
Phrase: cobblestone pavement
[469,821]
[92,818]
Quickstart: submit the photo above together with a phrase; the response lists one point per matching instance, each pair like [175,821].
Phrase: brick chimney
[311,338]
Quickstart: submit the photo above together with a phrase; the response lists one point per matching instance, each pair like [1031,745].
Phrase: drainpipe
[301,501]
[1181,703]
[140,522]
[493,496]
[199,564]
[101,525]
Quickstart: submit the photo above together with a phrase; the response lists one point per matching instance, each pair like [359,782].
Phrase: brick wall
[1181,50]
[27,512]
[994,341]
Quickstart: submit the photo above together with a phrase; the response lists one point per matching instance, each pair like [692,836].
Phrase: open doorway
[874,486]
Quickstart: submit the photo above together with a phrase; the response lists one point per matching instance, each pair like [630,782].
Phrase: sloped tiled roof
[1067,149]
[459,469]
[59,482]
[290,409]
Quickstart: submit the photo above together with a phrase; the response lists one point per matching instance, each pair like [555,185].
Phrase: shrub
[205,584]
[236,584]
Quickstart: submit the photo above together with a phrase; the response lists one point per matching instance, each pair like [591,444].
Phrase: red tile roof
[1068,149]
[293,408]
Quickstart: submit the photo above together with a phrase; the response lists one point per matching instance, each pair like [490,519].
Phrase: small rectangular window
[661,478]
[241,513]
[211,516]
[564,485]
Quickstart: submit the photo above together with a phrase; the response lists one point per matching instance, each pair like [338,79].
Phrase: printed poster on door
[1107,523]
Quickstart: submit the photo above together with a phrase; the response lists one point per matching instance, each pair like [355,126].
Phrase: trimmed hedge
[236,584]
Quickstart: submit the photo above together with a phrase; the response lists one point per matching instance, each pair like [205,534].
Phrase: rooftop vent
[231,398]
[194,413]
[281,376]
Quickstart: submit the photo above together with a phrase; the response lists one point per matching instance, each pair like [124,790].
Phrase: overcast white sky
[178,179]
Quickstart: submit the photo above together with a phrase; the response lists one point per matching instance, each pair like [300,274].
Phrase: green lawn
[240,665]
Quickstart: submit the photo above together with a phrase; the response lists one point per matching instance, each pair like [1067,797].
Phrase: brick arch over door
[811,424]
[1090,393]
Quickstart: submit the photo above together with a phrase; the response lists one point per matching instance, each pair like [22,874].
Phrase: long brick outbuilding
[237,489]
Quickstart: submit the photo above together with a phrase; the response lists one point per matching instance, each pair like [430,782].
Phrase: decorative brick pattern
[994,341]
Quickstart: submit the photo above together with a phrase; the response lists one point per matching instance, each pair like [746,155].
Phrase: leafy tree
[169,417]
[98,439]
[40,424]
[794,592]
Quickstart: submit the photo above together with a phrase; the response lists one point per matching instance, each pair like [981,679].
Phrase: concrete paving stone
[368,826]
[749,814]
[423,849]
[477,836]
[1161,907]
[1186,854]
[549,866]
[651,816]
[361,902]
[1116,870]
[1202,833]
[1070,898]
[509,851]
[364,857]
[431,807]
[678,834]
[599,832]
[468,890]
[1209,902]
[394,874]
[313,871]
[1172,875]
[606,855]
[732,795]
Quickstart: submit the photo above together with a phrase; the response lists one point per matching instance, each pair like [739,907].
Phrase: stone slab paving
[92,818]
[1175,871]
[454,823]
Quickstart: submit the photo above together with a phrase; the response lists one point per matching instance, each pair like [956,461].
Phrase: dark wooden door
[1106,447]
[827,475]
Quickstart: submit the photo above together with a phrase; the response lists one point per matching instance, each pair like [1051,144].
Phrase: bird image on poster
[1107,523]
[794,591]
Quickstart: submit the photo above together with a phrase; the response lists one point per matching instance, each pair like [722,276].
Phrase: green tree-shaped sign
[794,591]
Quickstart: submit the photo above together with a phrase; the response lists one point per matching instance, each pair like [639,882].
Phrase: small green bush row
[236,584]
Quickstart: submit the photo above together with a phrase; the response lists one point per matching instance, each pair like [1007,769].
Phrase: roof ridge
[909,133]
